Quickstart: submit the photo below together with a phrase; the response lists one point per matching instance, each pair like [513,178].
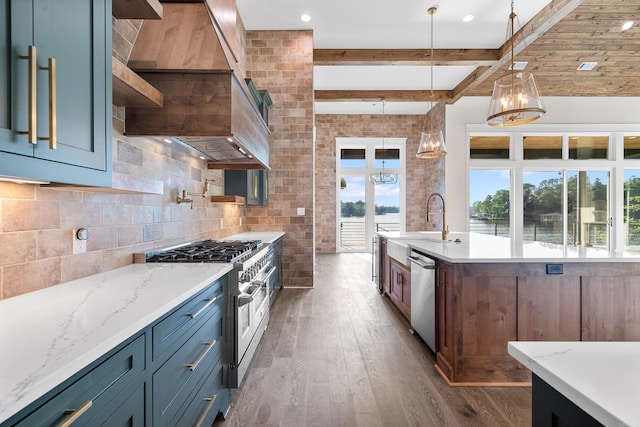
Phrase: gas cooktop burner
[207,251]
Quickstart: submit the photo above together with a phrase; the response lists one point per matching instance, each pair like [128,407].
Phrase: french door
[364,207]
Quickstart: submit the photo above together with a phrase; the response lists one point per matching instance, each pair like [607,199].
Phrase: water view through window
[544,207]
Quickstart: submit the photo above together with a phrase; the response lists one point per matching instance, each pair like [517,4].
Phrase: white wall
[560,110]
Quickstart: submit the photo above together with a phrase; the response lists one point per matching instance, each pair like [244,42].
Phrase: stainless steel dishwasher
[423,297]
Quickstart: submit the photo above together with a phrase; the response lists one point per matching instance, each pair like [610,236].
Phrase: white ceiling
[385,24]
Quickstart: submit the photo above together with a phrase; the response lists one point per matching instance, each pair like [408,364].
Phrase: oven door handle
[263,283]
[244,299]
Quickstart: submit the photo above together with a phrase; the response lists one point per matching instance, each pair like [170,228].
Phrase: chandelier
[432,142]
[382,177]
[515,99]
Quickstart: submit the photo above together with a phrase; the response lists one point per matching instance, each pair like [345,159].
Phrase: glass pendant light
[515,99]
[431,142]
[382,177]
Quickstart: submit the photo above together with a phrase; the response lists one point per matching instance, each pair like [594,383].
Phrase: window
[631,209]
[632,147]
[543,218]
[490,201]
[556,185]
[588,147]
[489,147]
[542,147]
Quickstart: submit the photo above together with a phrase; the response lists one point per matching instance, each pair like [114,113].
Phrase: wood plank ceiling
[554,43]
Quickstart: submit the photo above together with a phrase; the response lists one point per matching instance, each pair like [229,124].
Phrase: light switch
[300,211]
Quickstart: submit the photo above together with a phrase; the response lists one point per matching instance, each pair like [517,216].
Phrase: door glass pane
[489,147]
[387,199]
[588,208]
[352,158]
[390,156]
[489,197]
[542,147]
[352,213]
[588,147]
[542,206]
[632,147]
[632,209]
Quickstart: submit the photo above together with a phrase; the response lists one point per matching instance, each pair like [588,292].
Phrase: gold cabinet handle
[33,96]
[52,104]
[206,410]
[194,365]
[74,414]
[197,313]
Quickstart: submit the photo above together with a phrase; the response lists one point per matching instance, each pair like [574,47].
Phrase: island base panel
[551,408]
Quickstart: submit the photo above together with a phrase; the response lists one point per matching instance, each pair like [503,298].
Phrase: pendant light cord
[429,115]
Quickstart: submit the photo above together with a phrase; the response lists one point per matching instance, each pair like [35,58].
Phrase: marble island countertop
[49,335]
[602,378]
[483,248]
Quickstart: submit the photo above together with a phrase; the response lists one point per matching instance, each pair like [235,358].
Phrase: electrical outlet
[79,246]
[554,269]
[300,211]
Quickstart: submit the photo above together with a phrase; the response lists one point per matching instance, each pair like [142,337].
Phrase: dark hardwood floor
[342,355]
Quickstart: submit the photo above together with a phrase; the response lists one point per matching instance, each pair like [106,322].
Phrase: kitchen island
[490,290]
[572,382]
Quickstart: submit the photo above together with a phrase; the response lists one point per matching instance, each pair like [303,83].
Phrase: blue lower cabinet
[210,400]
[100,391]
[129,414]
[170,372]
[182,374]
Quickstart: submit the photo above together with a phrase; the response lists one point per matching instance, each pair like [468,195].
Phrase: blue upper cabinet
[55,90]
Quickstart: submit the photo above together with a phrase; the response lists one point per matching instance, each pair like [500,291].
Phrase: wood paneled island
[491,291]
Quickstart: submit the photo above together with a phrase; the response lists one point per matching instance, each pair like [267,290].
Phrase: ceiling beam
[552,13]
[379,95]
[463,57]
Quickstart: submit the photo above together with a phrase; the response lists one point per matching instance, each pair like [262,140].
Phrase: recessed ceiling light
[587,66]
[168,141]
[305,18]
[468,18]
[627,25]
[518,65]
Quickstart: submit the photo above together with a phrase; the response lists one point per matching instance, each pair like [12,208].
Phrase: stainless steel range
[248,290]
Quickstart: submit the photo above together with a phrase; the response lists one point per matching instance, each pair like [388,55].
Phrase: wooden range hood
[207,103]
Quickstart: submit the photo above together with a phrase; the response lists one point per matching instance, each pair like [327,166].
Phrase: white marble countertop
[49,335]
[484,248]
[265,236]
[602,378]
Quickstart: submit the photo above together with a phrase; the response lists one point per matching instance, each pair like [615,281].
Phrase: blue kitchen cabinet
[55,80]
[251,184]
[174,372]
[189,346]
[98,394]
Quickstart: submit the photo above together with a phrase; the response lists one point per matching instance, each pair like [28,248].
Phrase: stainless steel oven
[248,306]
[251,306]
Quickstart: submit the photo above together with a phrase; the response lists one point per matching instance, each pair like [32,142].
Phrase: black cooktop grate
[207,251]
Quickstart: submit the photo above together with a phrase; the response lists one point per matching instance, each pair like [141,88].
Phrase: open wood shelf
[131,90]
[137,9]
[239,200]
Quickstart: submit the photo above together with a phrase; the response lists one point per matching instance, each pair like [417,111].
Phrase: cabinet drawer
[210,399]
[129,414]
[107,385]
[177,379]
[169,334]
